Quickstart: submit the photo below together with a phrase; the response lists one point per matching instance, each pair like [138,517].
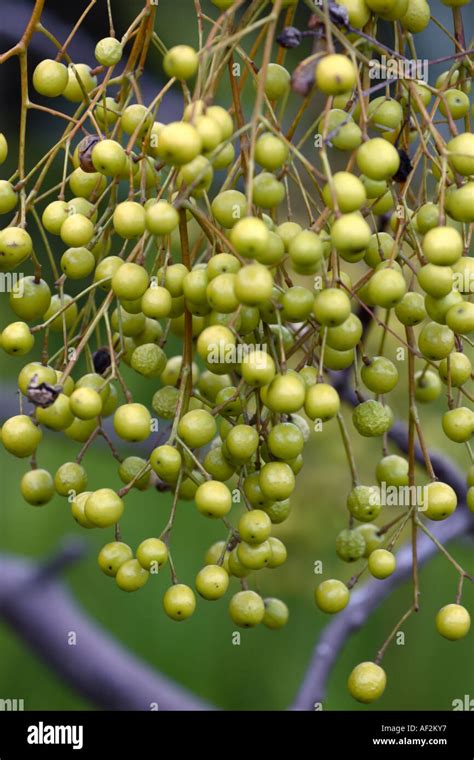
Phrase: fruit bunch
[271,235]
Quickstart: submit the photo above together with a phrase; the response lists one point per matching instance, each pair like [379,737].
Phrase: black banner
[376,734]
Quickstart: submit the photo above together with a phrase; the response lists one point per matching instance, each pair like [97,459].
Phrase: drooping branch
[367,598]
[44,615]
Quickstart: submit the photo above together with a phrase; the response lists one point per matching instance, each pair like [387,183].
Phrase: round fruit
[212,581]
[132,422]
[246,609]
[37,487]
[179,602]
[21,436]
[112,556]
[453,622]
[378,159]
[213,499]
[50,78]
[104,508]
[439,501]
[381,563]
[331,596]
[131,576]
[367,682]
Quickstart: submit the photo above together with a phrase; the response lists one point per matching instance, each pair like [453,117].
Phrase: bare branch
[43,614]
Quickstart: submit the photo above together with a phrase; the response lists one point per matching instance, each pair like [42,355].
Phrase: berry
[364,503]
[285,393]
[331,596]
[277,481]
[321,402]
[108,51]
[80,82]
[335,74]
[350,545]
[152,553]
[179,602]
[212,582]
[166,461]
[331,307]
[70,478]
[392,470]
[108,157]
[21,436]
[246,609]
[112,556]
[461,153]
[367,682]
[277,81]
[458,424]
[213,499]
[241,443]
[378,159]
[37,487]
[249,236]
[285,440]
[453,622]
[131,576]
[85,403]
[349,192]
[440,501]
[103,508]
[276,613]
[17,339]
[456,368]
[380,375]
[135,468]
[179,143]
[254,527]
[132,422]
[381,563]
[181,62]
[371,418]
[197,428]
[435,341]
[50,78]
[442,246]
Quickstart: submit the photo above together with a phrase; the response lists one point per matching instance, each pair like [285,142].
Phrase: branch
[367,598]
[363,602]
[42,613]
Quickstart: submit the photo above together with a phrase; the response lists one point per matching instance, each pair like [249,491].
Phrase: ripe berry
[108,157]
[381,563]
[179,143]
[257,368]
[321,402]
[135,468]
[212,582]
[131,576]
[70,477]
[349,192]
[213,499]
[254,527]
[85,403]
[371,418]
[285,393]
[458,424]
[37,487]
[378,159]
[80,82]
[112,556]
[440,501]
[152,553]
[367,682]
[276,613]
[331,307]
[380,375]
[197,428]
[435,341]
[249,236]
[392,470]
[104,508]
[453,622]
[254,556]
[179,602]
[166,461]
[285,440]
[21,436]
[335,74]
[181,61]
[457,367]
[17,339]
[132,422]
[350,233]
[277,481]
[350,545]
[331,596]
[277,81]
[246,609]
[15,247]
[108,51]
[461,153]
[50,78]
[364,503]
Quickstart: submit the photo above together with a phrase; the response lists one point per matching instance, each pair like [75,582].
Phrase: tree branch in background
[44,616]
